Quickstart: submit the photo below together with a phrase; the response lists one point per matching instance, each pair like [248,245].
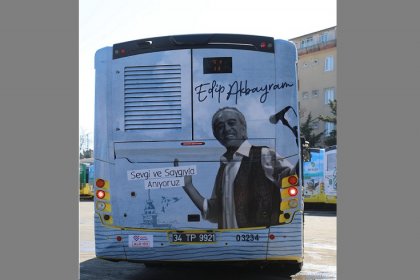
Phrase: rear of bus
[330,179]
[155,100]
[86,188]
[313,177]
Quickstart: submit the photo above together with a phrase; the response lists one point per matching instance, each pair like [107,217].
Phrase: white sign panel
[161,178]
[140,241]
[159,173]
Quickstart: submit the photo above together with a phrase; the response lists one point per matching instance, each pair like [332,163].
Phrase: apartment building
[317,75]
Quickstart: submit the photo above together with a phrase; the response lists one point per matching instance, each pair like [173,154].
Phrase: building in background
[317,79]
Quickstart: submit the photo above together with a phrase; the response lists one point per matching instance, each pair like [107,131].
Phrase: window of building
[307,42]
[315,93]
[329,127]
[329,64]
[323,37]
[329,95]
[305,95]
[310,41]
[315,125]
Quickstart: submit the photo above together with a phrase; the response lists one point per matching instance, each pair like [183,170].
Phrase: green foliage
[333,118]
[84,145]
[86,154]
[306,129]
[332,138]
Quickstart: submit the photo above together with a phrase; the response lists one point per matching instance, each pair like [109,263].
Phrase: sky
[103,23]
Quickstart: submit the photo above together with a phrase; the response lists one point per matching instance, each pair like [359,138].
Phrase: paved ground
[319,260]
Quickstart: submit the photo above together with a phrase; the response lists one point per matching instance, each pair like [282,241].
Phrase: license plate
[193,237]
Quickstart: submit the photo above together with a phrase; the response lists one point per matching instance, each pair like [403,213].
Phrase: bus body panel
[286,76]
[151,97]
[146,181]
[330,180]
[86,187]
[227,247]
[288,241]
[313,172]
[251,73]
[320,176]
[91,178]
[103,151]
[153,127]
[106,244]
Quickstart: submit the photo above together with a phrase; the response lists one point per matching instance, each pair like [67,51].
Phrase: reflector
[100,205]
[293,203]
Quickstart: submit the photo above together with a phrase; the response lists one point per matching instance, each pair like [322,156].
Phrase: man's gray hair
[221,110]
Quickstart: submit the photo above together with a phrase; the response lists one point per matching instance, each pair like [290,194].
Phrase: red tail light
[100,194]
[292,191]
[100,183]
[293,180]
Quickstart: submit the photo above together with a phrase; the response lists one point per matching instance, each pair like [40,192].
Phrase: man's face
[229,130]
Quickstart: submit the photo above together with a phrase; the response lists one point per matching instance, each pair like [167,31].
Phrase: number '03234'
[247,237]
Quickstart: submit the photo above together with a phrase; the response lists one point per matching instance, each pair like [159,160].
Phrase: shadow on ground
[103,269]
[320,209]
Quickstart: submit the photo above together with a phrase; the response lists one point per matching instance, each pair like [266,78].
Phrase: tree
[306,129]
[331,139]
[86,154]
[84,145]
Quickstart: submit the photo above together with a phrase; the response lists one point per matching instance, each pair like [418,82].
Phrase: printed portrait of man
[246,190]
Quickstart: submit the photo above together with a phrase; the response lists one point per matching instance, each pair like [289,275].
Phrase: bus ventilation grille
[152,97]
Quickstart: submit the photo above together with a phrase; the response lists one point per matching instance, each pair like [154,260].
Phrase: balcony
[317,47]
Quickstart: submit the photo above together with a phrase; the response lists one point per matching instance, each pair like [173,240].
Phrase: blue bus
[86,181]
[313,175]
[330,175]
[197,151]
[320,176]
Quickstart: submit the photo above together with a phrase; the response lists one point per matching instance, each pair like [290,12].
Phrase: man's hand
[191,191]
[187,179]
